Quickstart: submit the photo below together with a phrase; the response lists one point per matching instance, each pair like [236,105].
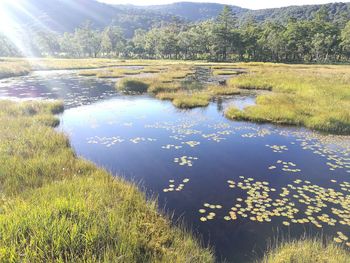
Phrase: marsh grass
[87,73]
[306,251]
[13,68]
[132,85]
[225,72]
[189,101]
[58,208]
[223,90]
[317,97]
[156,86]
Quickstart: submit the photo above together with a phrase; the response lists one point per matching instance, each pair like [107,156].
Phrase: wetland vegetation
[49,167]
[239,147]
[316,97]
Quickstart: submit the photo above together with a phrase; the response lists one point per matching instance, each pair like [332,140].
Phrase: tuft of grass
[13,68]
[189,101]
[223,90]
[306,251]
[168,95]
[156,86]
[109,74]
[317,97]
[132,85]
[56,207]
[249,82]
[225,72]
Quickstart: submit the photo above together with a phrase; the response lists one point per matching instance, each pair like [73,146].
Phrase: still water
[237,185]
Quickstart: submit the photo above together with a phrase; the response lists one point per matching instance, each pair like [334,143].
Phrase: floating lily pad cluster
[207,211]
[278,148]
[110,141]
[172,146]
[285,166]
[185,160]
[341,238]
[258,133]
[192,144]
[173,187]
[337,157]
[213,137]
[141,139]
[107,141]
[300,202]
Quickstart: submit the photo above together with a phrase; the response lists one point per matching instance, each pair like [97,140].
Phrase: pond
[237,185]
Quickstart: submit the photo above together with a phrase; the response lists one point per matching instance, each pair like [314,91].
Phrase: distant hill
[194,11]
[336,12]
[204,11]
[64,15]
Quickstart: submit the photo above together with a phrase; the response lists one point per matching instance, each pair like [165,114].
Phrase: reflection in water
[58,84]
[237,184]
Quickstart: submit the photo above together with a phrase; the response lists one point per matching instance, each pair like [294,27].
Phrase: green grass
[13,68]
[306,251]
[223,90]
[191,101]
[186,100]
[132,85]
[56,207]
[156,86]
[87,73]
[225,72]
[317,97]
[314,96]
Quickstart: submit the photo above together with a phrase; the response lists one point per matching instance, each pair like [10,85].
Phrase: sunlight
[10,27]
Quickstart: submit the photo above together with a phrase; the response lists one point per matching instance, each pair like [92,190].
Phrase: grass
[132,85]
[313,96]
[225,72]
[223,90]
[189,101]
[13,68]
[56,207]
[305,251]
[172,84]
[317,97]
[157,86]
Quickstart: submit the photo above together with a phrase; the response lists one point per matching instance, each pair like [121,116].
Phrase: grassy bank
[13,68]
[58,208]
[317,97]
[306,251]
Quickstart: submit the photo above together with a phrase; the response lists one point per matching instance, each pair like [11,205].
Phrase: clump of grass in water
[225,72]
[305,251]
[223,90]
[312,96]
[189,101]
[132,85]
[186,100]
[61,208]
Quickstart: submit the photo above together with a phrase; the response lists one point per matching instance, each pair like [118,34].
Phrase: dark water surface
[238,185]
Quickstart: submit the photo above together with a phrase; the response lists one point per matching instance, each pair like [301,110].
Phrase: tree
[345,40]
[223,32]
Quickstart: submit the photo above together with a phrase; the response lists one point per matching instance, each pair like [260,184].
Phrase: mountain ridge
[64,16]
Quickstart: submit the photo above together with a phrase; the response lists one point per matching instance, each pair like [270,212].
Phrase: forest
[317,40]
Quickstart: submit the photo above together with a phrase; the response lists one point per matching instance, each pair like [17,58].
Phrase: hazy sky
[252,4]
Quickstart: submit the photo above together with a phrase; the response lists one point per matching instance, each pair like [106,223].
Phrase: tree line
[223,39]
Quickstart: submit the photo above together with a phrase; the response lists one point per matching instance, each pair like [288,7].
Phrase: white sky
[252,4]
